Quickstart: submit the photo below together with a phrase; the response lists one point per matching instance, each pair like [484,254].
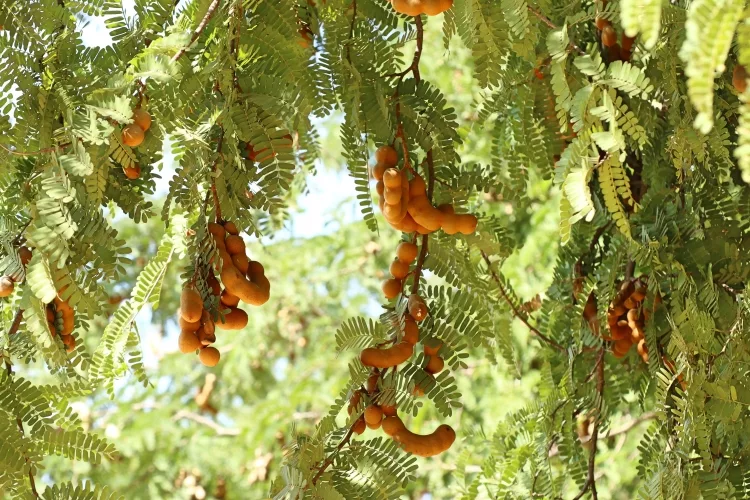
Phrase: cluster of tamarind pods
[405,204]
[616,51]
[133,135]
[8,283]
[243,280]
[418,7]
[376,415]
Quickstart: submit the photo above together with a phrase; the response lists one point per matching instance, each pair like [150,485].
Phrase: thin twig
[328,461]
[351,32]
[590,484]
[200,419]
[35,153]
[516,312]
[198,30]
[552,25]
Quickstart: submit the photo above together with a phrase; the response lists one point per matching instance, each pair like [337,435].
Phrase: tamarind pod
[630,304]
[467,223]
[380,188]
[411,330]
[191,305]
[618,310]
[642,347]
[447,208]
[739,78]
[372,382]
[408,7]
[354,401]
[373,426]
[434,365]
[214,285]
[427,445]
[612,318]
[209,356]
[399,269]
[391,288]
[450,224]
[373,415]
[392,179]
[218,232]
[639,294]
[432,350]
[231,228]
[632,317]
[188,342]
[378,171]
[235,319]
[417,307]
[259,279]
[407,252]
[69,341]
[50,315]
[256,268]
[417,186]
[392,213]
[423,230]
[622,346]
[388,410]
[241,262]
[142,118]
[228,299]
[207,322]
[226,259]
[590,313]
[189,326]
[387,156]
[393,197]
[626,290]
[359,426]
[62,306]
[385,358]
[68,325]
[205,337]
[435,7]
[636,334]
[424,213]
[407,224]
[24,254]
[619,332]
[248,292]
[392,425]
[235,244]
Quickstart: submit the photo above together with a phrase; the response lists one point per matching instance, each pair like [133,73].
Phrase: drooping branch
[518,314]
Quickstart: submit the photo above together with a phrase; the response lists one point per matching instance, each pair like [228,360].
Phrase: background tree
[612,365]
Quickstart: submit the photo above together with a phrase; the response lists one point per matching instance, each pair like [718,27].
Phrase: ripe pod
[142,118]
[133,172]
[218,232]
[739,78]
[214,285]
[387,156]
[426,445]
[435,365]
[231,228]
[411,330]
[627,42]
[388,410]
[392,425]
[188,342]
[209,356]
[385,358]
[241,262]
[191,305]
[25,255]
[601,22]
[132,135]
[189,326]
[417,307]
[399,269]
[359,426]
[391,288]
[609,37]
[432,350]
[424,213]
[229,300]
[435,7]
[69,341]
[373,415]
[6,286]
[206,338]
[406,252]
[372,382]
[408,7]
[248,292]
[236,319]
[235,244]
[378,171]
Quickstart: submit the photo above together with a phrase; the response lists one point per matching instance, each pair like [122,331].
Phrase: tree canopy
[344,249]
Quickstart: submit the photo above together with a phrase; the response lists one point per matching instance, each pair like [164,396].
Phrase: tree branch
[551,25]
[590,483]
[197,33]
[328,461]
[516,312]
[219,429]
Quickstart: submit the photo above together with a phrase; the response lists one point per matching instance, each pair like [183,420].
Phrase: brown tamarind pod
[392,425]
[427,445]
[207,322]
[229,300]
[69,341]
[387,156]
[373,415]
[392,212]
[142,118]
[432,350]
[392,179]
[435,7]
[237,284]
[639,293]
[191,304]
[601,22]
[636,334]
[206,337]
[399,269]
[424,213]
[632,318]
[218,232]
[231,228]
[132,135]
[642,347]
[49,314]
[630,304]
[615,53]
[411,331]
[372,382]
[258,278]
[391,288]
[241,262]
[385,358]
[378,171]
[739,78]
[627,42]
[408,7]
[24,254]
[450,221]
[354,401]
[627,288]
[406,252]
[407,224]
[209,356]
[434,365]
[609,36]
[235,244]
[68,317]
[373,426]
[590,313]
[417,307]
[467,223]
[389,410]
[188,342]
[621,347]
[620,331]
[213,284]
[133,172]
[235,319]
[190,326]
[6,286]
[393,198]
[359,426]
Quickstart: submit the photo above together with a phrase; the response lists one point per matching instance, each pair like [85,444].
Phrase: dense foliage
[620,130]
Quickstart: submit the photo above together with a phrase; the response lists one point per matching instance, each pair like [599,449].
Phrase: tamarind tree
[557,189]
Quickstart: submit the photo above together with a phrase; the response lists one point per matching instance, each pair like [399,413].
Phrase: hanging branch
[202,26]
[590,484]
[515,310]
